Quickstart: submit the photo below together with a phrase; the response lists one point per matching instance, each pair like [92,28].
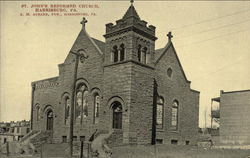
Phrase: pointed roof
[164,50]
[131,12]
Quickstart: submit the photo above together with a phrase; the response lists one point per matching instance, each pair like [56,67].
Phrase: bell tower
[130,39]
[128,78]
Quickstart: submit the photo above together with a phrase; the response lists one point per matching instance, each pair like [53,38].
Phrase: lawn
[173,151]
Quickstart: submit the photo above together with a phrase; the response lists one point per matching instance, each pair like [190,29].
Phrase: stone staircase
[116,138]
[27,136]
[32,142]
[41,138]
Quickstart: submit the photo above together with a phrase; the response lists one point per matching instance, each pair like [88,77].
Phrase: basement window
[159,141]
[74,138]
[174,142]
[64,139]
[82,138]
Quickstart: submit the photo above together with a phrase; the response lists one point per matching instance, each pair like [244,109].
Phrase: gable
[168,56]
[84,42]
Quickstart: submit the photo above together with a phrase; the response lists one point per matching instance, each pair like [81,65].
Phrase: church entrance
[117,115]
[49,120]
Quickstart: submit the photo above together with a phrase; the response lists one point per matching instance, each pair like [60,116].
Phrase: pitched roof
[163,51]
[131,12]
[100,44]
[158,52]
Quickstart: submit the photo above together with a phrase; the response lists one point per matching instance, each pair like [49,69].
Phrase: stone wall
[177,87]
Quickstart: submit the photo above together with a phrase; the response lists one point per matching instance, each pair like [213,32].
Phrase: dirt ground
[167,151]
[173,151]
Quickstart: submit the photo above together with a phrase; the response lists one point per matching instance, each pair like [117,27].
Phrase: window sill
[126,61]
[174,131]
[159,130]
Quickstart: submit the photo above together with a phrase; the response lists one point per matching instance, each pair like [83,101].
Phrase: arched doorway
[117,115]
[49,120]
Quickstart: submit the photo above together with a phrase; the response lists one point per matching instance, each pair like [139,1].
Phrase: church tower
[130,39]
[128,78]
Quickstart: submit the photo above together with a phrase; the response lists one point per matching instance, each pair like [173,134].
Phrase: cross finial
[83,22]
[169,35]
[131,1]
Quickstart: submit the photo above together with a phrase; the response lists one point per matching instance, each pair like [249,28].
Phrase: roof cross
[83,22]
[131,1]
[169,35]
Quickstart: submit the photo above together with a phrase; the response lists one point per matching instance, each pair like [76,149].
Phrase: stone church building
[123,85]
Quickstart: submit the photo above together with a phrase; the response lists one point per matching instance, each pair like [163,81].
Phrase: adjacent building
[13,131]
[234,119]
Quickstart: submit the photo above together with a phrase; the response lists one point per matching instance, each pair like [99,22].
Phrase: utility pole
[79,56]
[205,121]
[71,130]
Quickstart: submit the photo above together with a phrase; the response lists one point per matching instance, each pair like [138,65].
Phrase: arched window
[38,113]
[117,115]
[159,112]
[81,107]
[174,120]
[96,108]
[169,72]
[144,52]
[122,52]
[115,54]
[67,108]
[50,120]
[85,104]
[139,53]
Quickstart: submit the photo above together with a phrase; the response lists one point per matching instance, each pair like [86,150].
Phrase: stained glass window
[67,108]
[96,108]
[81,107]
[85,104]
[159,113]
[78,104]
[174,121]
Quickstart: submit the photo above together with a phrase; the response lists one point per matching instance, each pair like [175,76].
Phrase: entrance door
[49,120]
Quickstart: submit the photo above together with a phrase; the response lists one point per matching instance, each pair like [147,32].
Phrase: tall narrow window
[37,113]
[96,108]
[50,120]
[67,108]
[117,115]
[81,107]
[122,52]
[144,52]
[85,104]
[115,54]
[78,107]
[159,114]
[174,121]
[139,53]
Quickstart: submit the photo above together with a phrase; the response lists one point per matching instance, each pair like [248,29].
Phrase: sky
[211,39]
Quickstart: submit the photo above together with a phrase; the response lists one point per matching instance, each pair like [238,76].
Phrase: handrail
[28,135]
